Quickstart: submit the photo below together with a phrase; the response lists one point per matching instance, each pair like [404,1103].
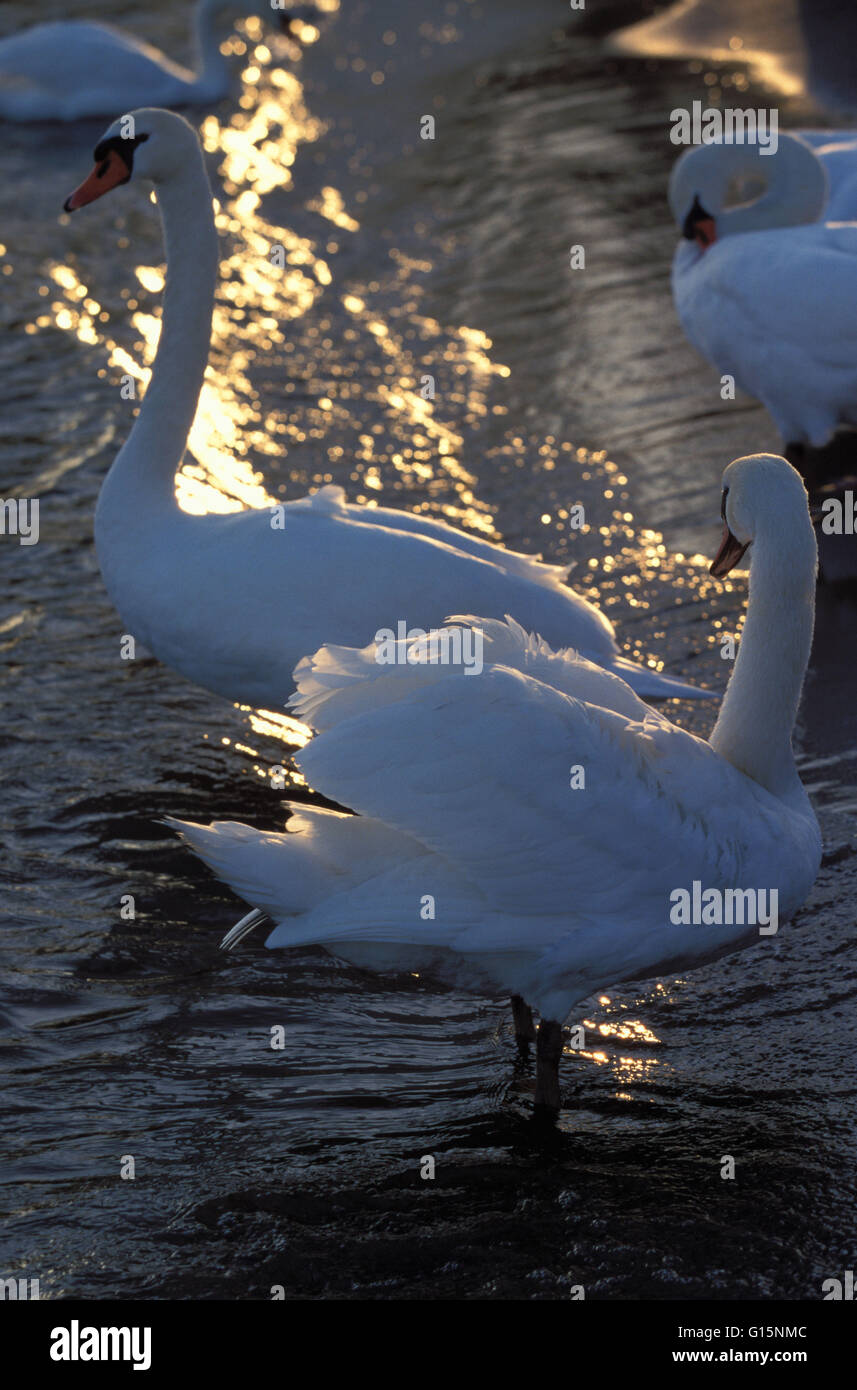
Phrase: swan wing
[511,561]
[470,795]
[339,682]
[330,500]
[480,770]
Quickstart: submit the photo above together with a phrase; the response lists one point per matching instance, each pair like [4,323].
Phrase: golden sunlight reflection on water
[618,1032]
[268,310]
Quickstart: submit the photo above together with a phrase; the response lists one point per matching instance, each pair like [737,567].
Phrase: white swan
[234,601]
[765,291]
[73,68]
[538,889]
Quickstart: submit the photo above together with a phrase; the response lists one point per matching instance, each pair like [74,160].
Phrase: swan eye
[723,497]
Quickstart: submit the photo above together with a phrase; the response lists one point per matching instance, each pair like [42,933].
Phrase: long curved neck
[141,481]
[795,193]
[757,716]
[212,69]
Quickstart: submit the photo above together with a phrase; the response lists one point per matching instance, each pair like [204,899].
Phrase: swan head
[148,143]
[724,187]
[763,496]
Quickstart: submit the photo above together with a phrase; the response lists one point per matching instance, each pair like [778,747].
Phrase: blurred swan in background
[764,290]
[73,68]
[540,889]
[234,601]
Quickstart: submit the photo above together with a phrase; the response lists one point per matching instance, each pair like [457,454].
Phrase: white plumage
[69,69]
[234,601]
[463,789]
[763,289]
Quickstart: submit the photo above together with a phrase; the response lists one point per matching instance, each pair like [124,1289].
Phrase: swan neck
[796,191]
[756,722]
[212,69]
[143,474]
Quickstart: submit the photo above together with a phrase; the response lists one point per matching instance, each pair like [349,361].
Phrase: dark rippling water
[300,1167]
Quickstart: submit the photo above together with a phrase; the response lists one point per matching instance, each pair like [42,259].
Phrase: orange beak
[699,225]
[107,174]
[705,232]
[728,555]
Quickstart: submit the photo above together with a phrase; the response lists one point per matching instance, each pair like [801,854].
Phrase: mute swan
[763,290]
[234,601]
[539,887]
[74,68]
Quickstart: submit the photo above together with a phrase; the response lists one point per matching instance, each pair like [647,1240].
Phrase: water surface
[300,1167]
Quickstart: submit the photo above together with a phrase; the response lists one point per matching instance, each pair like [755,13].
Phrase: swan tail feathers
[253,862]
[286,874]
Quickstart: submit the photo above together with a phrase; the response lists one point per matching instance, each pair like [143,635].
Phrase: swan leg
[522,1018]
[548,1053]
